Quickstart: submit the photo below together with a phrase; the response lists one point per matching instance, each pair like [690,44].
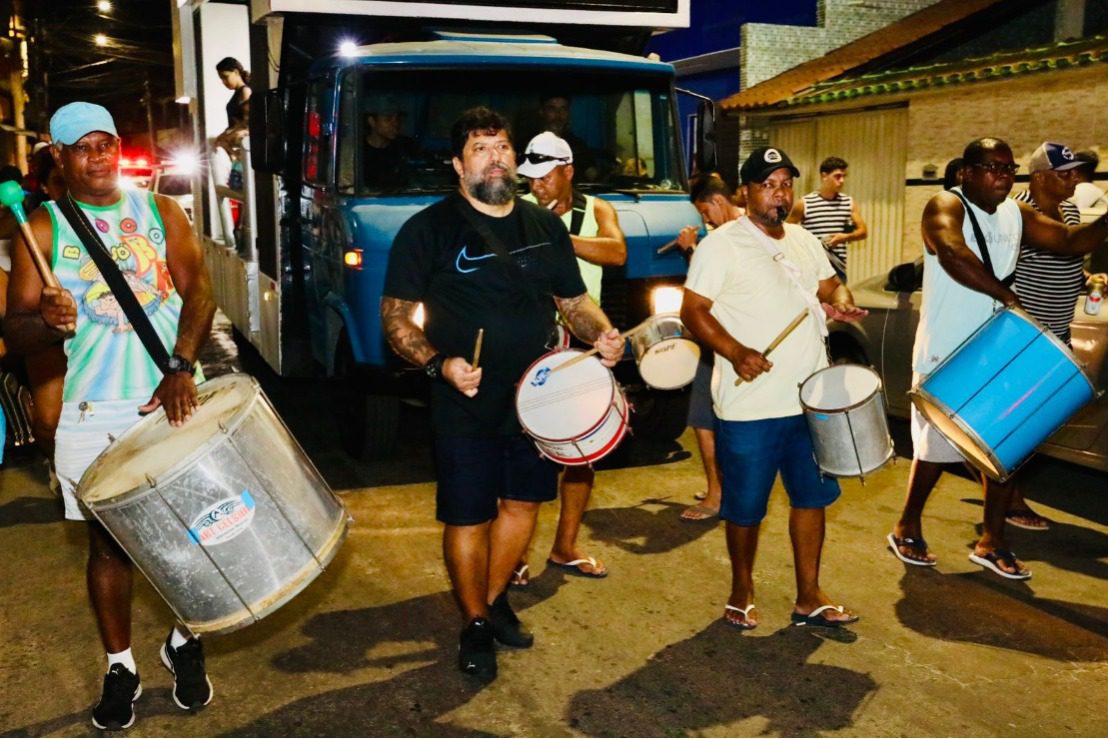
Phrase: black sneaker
[115,710]
[506,627]
[191,686]
[476,650]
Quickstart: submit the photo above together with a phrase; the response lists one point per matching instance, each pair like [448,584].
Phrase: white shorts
[928,444]
[80,440]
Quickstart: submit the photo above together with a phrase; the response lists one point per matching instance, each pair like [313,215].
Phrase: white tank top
[950,311]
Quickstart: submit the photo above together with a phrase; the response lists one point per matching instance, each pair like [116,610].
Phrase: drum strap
[980,236]
[116,281]
[580,207]
[494,244]
[791,271]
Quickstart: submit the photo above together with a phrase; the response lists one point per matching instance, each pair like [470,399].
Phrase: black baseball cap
[764,161]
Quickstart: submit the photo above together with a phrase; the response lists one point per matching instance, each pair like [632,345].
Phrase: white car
[176,182]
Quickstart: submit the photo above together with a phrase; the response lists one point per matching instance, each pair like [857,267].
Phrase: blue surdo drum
[1004,391]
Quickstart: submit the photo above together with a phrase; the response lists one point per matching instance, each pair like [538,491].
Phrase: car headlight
[666,299]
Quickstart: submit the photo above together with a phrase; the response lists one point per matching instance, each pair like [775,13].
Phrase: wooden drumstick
[581,357]
[11,195]
[477,348]
[780,337]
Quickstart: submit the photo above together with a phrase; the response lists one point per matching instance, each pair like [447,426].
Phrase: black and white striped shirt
[824,218]
[1048,283]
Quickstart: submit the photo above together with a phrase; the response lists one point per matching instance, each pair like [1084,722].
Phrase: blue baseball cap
[72,122]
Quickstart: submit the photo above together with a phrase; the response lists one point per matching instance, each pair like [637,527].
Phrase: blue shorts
[750,454]
[701,415]
[475,473]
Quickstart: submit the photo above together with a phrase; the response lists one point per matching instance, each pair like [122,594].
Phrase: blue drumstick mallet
[11,195]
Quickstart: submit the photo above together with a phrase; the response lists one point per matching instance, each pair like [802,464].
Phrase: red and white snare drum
[576,416]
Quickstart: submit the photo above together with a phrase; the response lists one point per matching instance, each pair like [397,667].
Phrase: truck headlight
[666,299]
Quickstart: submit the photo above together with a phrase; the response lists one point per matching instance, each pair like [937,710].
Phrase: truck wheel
[367,423]
[660,415]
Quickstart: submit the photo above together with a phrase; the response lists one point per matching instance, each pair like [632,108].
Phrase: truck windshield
[395,126]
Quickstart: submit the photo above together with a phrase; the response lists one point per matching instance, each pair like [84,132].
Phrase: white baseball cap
[545,152]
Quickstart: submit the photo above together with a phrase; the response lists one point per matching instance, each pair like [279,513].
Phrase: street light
[100,39]
[103,6]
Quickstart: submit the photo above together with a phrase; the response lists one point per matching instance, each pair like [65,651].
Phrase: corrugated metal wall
[875,145]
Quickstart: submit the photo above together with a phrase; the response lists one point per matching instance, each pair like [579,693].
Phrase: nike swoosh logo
[464,260]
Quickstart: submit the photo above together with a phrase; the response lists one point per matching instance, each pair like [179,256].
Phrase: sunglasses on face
[534,158]
[998,168]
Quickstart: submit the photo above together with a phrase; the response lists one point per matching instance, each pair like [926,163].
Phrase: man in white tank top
[959,294]
[598,242]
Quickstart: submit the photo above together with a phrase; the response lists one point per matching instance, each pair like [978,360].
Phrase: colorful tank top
[106,358]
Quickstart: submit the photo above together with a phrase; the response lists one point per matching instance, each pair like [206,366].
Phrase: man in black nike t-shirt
[480,259]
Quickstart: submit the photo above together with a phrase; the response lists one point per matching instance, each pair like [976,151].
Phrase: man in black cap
[745,283]
[387,153]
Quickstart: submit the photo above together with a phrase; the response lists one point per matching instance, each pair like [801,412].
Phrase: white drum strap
[791,271]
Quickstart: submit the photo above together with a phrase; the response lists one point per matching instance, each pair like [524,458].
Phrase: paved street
[368,649]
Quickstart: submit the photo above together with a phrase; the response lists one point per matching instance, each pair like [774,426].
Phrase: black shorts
[474,473]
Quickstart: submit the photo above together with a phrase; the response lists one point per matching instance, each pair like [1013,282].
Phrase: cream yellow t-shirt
[754,300]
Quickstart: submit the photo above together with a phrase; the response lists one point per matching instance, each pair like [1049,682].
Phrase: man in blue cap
[152,243]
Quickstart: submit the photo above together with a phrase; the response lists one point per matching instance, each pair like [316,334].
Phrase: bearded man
[481,260]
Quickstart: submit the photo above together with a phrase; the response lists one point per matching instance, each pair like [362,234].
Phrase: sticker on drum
[225,516]
[575,416]
[666,354]
[845,411]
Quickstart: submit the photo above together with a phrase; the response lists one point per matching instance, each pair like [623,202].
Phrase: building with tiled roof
[899,103]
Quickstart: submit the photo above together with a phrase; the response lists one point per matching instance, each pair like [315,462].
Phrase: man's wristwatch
[433,368]
[177,363]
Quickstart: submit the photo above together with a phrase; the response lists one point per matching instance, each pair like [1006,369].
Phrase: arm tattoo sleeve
[584,317]
[405,337]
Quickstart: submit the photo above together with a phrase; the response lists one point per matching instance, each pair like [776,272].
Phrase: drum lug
[111,439]
[151,481]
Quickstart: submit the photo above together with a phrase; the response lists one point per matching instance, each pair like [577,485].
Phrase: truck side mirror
[267,128]
[706,160]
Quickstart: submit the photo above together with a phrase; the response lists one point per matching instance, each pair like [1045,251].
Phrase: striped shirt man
[1049,283]
[823,218]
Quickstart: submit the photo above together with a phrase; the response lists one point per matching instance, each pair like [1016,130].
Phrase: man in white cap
[1048,283]
[745,282]
[598,242]
[153,245]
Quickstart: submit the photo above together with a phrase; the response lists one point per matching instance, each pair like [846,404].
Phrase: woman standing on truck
[236,79]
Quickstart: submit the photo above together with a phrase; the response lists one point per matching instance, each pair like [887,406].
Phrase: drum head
[152,448]
[566,404]
[670,364]
[839,388]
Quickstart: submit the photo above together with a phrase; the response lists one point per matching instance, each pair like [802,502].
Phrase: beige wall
[1066,106]
[874,145]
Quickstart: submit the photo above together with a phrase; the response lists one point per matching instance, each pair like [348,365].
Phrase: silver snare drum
[845,411]
[665,352]
[226,515]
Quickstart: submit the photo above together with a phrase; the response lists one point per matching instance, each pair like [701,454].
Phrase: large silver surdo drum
[226,515]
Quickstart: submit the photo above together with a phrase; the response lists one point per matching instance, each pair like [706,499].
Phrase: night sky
[139,46]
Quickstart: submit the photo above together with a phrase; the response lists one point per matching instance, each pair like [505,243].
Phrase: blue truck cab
[339,208]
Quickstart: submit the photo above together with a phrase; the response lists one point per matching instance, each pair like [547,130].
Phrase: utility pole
[149,100]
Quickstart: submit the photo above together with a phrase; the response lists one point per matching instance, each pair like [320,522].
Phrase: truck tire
[660,415]
[368,423]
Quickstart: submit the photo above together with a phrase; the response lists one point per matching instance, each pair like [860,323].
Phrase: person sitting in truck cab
[387,154]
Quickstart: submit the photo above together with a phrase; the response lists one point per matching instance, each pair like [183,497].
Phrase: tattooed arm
[405,337]
[408,340]
[588,323]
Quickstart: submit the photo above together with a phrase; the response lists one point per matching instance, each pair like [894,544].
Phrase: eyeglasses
[998,168]
[534,158]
